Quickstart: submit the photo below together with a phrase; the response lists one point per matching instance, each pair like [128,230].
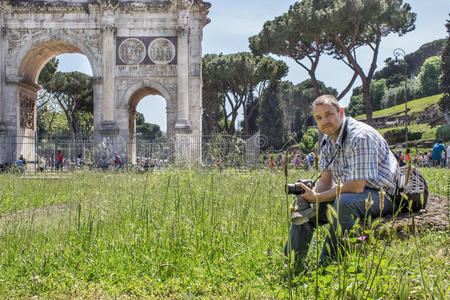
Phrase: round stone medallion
[161,51]
[132,51]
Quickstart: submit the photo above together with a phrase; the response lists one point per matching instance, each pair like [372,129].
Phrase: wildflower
[369,202]
[382,194]
[362,238]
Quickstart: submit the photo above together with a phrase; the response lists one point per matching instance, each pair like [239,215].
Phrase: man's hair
[326,99]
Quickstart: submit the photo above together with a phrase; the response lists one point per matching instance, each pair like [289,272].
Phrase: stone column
[183,123]
[109,126]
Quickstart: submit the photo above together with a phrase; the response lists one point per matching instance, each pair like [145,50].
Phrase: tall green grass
[180,234]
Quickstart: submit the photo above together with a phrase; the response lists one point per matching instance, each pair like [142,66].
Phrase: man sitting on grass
[355,154]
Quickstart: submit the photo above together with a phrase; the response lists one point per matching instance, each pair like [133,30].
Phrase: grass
[414,107]
[184,234]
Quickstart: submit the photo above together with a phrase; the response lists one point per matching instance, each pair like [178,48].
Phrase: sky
[234,21]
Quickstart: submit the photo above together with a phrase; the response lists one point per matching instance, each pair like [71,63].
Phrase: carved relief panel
[146,50]
[27,108]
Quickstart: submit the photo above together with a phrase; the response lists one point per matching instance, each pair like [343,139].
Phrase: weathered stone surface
[135,48]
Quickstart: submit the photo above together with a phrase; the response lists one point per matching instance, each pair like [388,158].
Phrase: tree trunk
[366,98]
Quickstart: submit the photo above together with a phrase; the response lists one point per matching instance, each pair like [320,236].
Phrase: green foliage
[396,95]
[48,71]
[238,81]
[414,106]
[445,78]
[394,72]
[429,76]
[146,130]
[309,139]
[356,106]
[189,233]
[296,35]
[354,24]
[70,93]
[271,119]
[443,132]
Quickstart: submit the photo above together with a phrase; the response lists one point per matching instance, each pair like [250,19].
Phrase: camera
[296,189]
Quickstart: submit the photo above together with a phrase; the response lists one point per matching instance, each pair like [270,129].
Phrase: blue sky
[234,21]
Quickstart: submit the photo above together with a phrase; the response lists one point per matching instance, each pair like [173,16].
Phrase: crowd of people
[297,161]
[438,156]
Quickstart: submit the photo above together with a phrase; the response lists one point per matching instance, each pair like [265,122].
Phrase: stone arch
[42,49]
[133,95]
[29,62]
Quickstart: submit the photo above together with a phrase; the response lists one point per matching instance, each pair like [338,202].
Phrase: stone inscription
[146,50]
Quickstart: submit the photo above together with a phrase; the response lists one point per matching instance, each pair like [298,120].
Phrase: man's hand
[354,186]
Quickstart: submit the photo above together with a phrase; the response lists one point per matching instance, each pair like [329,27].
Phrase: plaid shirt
[363,154]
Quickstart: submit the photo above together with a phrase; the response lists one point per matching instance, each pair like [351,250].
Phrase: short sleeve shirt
[437,151]
[361,154]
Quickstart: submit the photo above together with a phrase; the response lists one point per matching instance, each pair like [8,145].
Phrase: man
[436,154]
[358,156]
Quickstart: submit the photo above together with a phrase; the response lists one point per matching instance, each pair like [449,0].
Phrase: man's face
[328,119]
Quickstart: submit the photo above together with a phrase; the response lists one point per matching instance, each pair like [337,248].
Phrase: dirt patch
[435,216]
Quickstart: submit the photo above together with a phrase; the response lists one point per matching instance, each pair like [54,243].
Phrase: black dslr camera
[296,189]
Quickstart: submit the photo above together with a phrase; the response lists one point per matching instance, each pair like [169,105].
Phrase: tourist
[59,161]
[420,160]
[80,162]
[436,154]
[408,156]
[355,154]
[117,161]
[21,163]
[271,163]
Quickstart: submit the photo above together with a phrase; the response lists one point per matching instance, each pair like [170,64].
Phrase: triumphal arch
[135,47]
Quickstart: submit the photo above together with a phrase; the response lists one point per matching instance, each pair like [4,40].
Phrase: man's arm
[327,190]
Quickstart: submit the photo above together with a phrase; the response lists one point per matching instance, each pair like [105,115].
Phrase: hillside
[415,107]
[422,113]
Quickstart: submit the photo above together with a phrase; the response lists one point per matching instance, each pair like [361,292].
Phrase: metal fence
[210,150]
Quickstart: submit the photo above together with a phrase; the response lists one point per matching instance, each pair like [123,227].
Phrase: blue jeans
[351,207]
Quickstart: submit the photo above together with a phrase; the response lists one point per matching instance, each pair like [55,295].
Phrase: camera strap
[344,136]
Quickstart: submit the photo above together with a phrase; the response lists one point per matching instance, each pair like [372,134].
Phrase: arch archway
[31,61]
[135,94]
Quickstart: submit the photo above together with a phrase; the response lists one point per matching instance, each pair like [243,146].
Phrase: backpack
[117,159]
[414,189]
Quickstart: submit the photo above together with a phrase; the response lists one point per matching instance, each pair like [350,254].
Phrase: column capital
[109,29]
[182,31]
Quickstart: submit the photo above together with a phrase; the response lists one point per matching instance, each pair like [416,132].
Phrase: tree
[146,130]
[394,72]
[296,34]
[73,92]
[429,76]
[240,80]
[309,140]
[352,24]
[271,120]
[444,104]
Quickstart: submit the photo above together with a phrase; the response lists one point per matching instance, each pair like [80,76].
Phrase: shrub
[443,132]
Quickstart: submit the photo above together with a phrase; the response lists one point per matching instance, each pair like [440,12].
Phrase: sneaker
[303,212]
